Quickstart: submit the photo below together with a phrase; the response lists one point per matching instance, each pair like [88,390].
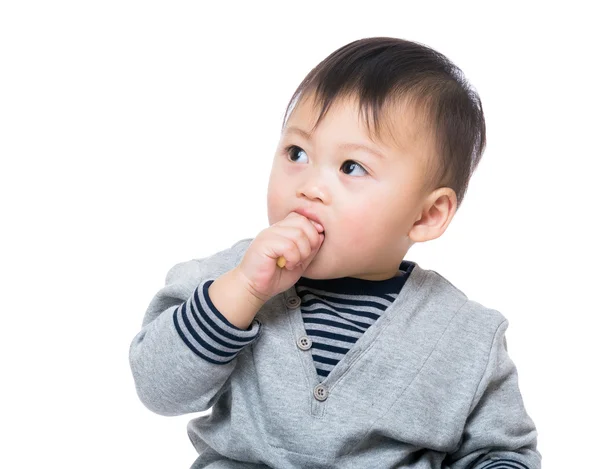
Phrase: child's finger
[303,233]
[306,250]
[311,228]
[317,225]
[295,246]
[307,261]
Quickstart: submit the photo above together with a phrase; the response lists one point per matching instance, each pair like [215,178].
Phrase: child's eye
[292,151]
[354,164]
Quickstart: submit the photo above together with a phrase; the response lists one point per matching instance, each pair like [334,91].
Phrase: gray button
[304,342]
[320,392]
[293,302]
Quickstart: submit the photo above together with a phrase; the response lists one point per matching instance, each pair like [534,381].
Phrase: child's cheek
[275,205]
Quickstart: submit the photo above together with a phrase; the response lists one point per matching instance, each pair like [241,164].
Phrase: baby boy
[317,343]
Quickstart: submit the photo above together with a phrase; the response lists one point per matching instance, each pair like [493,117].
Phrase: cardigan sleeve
[185,352]
[498,432]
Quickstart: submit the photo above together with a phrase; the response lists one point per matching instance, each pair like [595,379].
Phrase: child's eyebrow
[343,146]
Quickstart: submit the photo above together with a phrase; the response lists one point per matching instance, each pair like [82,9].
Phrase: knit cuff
[207,332]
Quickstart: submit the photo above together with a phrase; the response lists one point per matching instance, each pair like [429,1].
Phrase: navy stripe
[356,286]
[209,320]
[390,298]
[331,335]
[504,464]
[208,332]
[328,361]
[333,314]
[352,301]
[329,348]
[364,314]
[191,347]
[332,323]
[203,324]
[342,309]
[199,339]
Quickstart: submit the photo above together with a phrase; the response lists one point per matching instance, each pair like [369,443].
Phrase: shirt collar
[356,286]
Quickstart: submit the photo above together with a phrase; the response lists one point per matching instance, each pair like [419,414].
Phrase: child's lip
[310,215]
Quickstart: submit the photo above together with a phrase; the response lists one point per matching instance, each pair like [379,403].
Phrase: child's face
[367,204]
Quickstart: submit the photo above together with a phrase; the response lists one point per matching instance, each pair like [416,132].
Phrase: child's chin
[313,271]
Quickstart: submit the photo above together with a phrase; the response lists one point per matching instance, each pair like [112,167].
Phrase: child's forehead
[400,124]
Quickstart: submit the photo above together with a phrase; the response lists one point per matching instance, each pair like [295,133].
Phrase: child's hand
[296,238]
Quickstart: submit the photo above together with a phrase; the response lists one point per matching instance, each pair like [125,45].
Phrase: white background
[135,135]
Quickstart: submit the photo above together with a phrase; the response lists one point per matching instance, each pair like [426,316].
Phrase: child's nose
[312,192]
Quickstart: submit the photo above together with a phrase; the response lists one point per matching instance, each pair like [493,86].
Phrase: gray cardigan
[428,385]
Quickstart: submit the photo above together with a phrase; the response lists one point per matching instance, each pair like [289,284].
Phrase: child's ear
[436,214]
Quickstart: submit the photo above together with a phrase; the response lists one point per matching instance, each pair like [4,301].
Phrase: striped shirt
[336,312]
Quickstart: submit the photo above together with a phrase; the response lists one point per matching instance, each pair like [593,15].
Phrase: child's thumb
[309,259]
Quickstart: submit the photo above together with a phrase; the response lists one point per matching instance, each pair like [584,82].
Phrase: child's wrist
[234,298]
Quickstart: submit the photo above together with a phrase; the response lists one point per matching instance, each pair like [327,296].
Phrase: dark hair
[384,71]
